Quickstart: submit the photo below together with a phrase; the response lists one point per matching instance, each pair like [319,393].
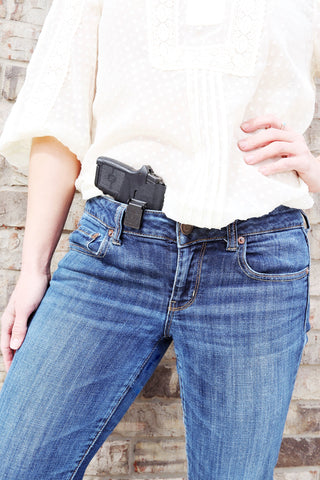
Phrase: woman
[215,97]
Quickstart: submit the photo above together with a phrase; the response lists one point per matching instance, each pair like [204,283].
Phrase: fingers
[13,332]
[274,149]
[19,330]
[274,140]
[263,121]
[7,321]
[280,166]
[264,137]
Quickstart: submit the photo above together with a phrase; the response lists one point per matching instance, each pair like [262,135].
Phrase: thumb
[19,331]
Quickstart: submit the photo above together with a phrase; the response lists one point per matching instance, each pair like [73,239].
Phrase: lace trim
[237,55]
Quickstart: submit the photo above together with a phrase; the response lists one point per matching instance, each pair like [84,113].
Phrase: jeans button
[186,229]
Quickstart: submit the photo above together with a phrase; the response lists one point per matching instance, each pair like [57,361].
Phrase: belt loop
[232,243]
[118,225]
[306,219]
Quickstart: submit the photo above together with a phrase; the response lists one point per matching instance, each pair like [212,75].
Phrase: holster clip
[133,213]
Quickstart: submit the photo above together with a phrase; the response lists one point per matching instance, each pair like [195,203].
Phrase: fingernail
[242,143]
[263,170]
[249,158]
[14,344]
[245,125]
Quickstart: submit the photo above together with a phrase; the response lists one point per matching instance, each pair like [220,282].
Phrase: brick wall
[149,440]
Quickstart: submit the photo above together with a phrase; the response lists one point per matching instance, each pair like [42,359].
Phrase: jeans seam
[183,401]
[122,396]
[98,219]
[149,236]
[199,268]
[277,229]
[288,277]
[208,239]
[85,252]
[308,281]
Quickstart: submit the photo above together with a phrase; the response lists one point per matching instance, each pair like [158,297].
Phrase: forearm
[53,170]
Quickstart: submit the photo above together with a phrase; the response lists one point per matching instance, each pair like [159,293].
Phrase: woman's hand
[53,169]
[277,140]
[24,300]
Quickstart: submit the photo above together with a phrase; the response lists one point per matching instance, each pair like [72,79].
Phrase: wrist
[35,268]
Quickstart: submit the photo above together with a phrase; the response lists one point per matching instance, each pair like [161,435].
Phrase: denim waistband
[157,225]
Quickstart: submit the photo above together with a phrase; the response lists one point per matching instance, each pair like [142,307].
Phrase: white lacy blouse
[167,83]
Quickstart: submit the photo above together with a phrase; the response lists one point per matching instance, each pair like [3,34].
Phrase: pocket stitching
[280,277]
[92,236]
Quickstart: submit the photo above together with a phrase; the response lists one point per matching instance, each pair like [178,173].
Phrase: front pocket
[227,43]
[281,255]
[91,237]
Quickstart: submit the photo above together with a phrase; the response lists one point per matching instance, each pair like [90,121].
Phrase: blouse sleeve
[57,94]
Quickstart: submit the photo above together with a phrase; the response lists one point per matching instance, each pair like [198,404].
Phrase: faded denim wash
[235,301]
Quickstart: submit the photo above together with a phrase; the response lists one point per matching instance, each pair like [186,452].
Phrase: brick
[164,382]
[170,355]
[10,248]
[111,458]
[94,477]
[315,277]
[13,206]
[2,368]
[9,176]
[314,212]
[14,77]
[5,108]
[2,376]
[314,130]
[164,456]
[2,373]
[311,353]
[75,212]
[8,280]
[298,475]
[303,419]
[315,312]
[152,419]
[18,40]
[3,8]
[314,239]
[157,413]
[61,250]
[296,452]
[57,257]
[307,386]
[90,477]
[29,11]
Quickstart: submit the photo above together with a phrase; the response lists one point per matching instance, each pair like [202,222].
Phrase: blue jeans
[234,300]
